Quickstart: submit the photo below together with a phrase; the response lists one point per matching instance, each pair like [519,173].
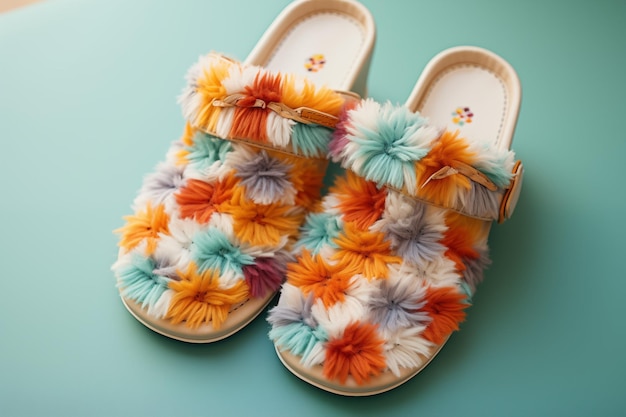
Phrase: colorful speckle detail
[315,63]
[462,115]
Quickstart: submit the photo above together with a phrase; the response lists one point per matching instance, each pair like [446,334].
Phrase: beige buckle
[511,196]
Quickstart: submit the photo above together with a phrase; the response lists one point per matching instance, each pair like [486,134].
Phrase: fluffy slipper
[214,225]
[389,262]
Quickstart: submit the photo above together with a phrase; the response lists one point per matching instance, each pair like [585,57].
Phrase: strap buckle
[511,196]
[466,170]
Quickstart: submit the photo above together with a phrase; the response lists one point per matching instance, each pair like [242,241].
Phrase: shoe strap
[245,103]
[400,150]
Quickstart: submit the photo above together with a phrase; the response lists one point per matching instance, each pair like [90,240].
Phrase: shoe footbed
[322,46]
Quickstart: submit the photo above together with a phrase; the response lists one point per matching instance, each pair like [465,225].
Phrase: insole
[323,47]
[469,98]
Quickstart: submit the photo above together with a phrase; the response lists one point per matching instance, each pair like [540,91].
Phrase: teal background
[87,106]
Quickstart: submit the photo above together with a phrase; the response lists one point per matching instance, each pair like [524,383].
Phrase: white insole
[322,46]
[468,98]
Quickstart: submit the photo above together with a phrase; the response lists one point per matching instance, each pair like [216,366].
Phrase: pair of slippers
[374,277]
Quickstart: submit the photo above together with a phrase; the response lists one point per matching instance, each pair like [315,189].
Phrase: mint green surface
[87,106]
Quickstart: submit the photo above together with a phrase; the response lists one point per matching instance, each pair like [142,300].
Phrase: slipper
[214,224]
[390,260]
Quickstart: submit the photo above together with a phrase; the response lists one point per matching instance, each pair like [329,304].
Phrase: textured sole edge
[377,385]
[238,318]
